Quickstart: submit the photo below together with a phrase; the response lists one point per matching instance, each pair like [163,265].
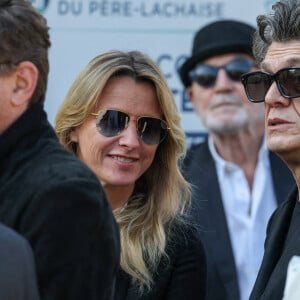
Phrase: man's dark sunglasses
[258,83]
[152,131]
[206,75]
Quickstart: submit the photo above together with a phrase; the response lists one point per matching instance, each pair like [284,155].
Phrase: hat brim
[206,52]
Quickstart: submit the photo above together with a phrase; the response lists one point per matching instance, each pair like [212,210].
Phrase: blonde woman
[120,118]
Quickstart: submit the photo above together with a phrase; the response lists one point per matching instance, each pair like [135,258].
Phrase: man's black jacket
[57,203]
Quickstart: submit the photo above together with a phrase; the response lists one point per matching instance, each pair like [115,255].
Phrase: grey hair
[281,25]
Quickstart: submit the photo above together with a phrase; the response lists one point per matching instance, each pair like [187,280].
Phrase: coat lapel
[276,235]
[283,180]
[209,215]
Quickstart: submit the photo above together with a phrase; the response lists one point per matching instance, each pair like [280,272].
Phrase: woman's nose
[129,136]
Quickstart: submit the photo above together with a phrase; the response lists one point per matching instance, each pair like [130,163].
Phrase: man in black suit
[237,183]
[46,194]
[17,267]
[276,48]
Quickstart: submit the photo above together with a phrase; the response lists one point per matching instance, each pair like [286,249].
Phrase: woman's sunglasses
[258,83]
[206,75]
[110,122]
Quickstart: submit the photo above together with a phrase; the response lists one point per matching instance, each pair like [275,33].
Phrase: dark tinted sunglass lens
[257,85]
[237,67]
[205,75]
[151,130]
[289,81]
[111,122]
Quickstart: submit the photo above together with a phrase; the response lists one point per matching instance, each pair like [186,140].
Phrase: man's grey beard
[238,122]
[229,128]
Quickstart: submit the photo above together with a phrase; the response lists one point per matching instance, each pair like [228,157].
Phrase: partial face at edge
[282,120]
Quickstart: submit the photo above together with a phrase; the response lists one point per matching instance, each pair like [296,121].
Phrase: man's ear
[189,93]
[26,78]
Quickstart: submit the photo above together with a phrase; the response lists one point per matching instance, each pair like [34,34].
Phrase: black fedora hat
[216,38]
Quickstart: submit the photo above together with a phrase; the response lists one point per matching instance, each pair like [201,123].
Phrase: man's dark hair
[24,36]
[280,26]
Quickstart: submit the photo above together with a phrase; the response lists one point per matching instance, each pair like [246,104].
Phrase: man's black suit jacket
[209,215]
[277,233]
[17,267]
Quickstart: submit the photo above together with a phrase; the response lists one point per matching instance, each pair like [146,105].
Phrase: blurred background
[82,29]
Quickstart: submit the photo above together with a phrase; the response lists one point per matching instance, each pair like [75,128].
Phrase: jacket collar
[24,131]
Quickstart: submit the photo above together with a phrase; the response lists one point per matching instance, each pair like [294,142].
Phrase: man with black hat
[237,183]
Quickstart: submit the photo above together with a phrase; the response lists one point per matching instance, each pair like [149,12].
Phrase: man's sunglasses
[152,131]
[258,83]
[206,75]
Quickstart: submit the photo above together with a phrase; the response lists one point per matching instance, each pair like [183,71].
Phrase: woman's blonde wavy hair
[164,193]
